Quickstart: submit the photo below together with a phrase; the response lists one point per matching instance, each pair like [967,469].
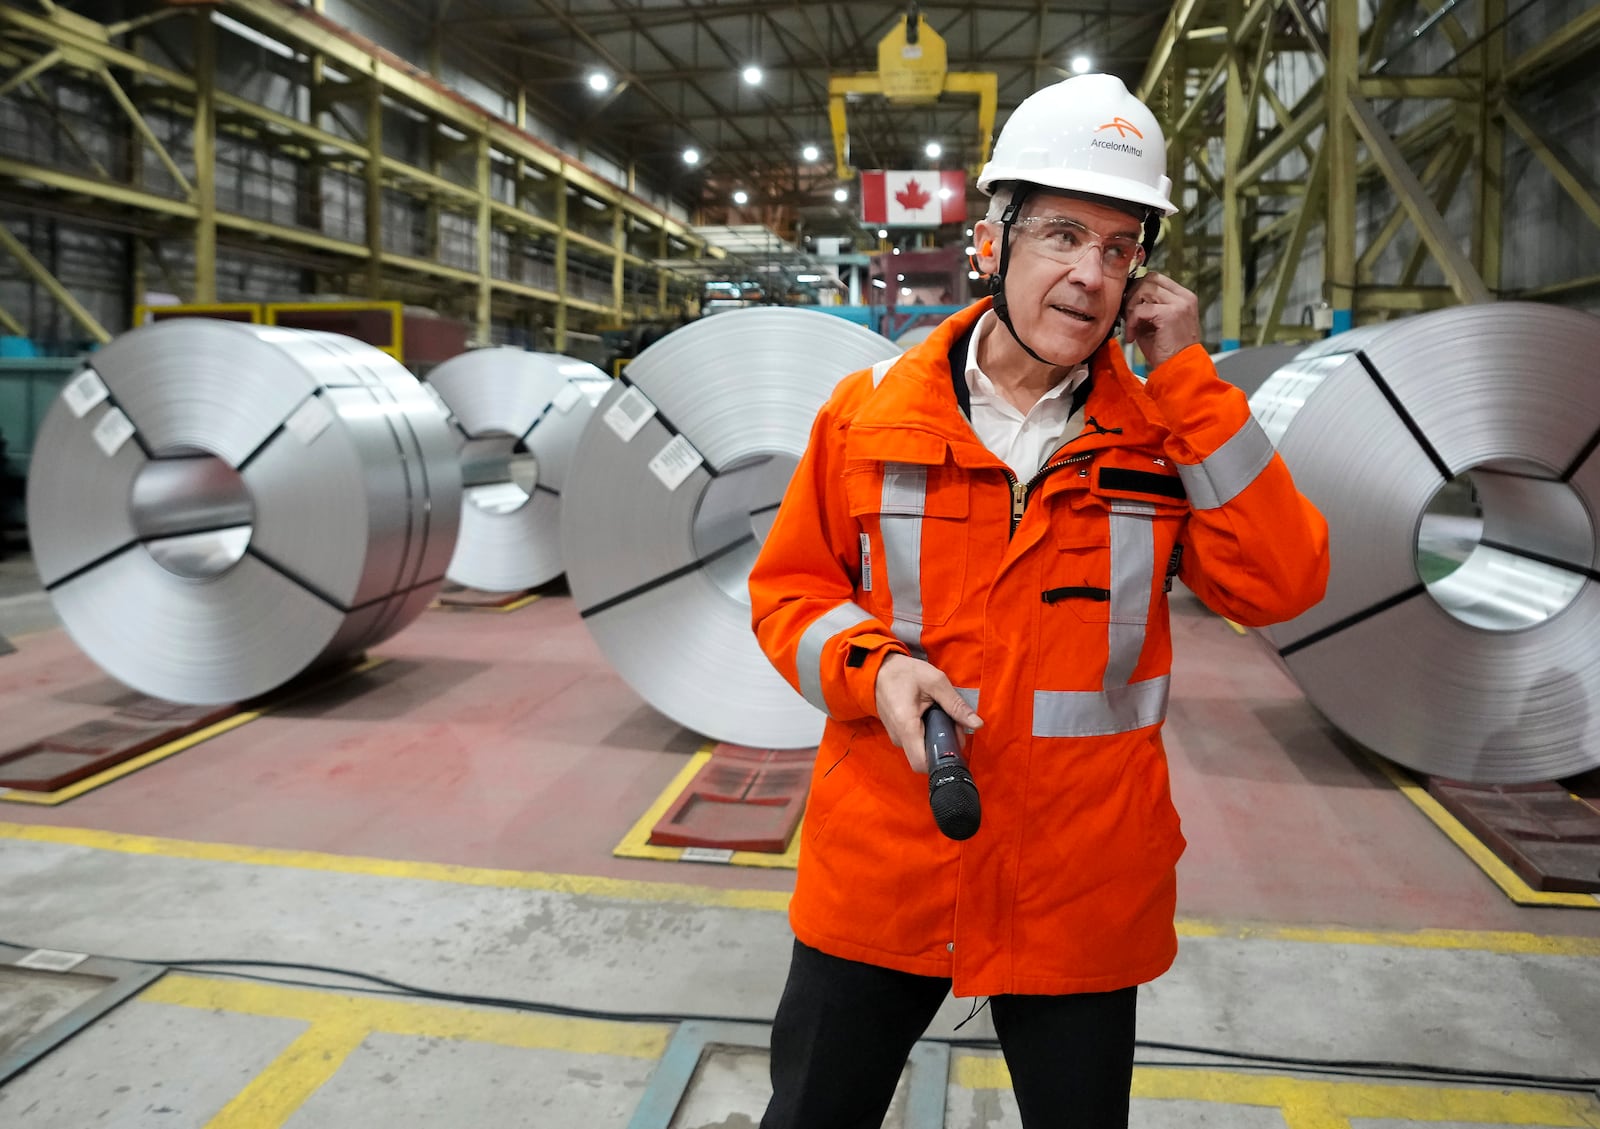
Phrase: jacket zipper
[1022,491]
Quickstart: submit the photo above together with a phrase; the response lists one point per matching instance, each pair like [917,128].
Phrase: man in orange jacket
[990,524]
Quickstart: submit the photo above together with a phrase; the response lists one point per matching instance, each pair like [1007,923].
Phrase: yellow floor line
[515,605]
[1510,882]
[1505,943]
[172,748]
[376,1014]
[278,1092]
[576,884]
[636,843]
[1323,1105]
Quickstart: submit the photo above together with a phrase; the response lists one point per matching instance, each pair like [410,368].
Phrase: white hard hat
[1085,134]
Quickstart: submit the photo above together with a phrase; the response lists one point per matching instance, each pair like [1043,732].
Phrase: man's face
[1063,311]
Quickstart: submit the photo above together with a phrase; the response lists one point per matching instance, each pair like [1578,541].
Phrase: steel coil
[216,508]
[520,415]
[1479,663]
[674,483]
[1247,369]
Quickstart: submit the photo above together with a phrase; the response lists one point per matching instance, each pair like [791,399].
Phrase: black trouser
[844,1030]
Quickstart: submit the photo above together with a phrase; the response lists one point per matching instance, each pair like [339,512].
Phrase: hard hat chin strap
[997,284]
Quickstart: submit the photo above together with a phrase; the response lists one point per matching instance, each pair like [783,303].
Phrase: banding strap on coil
[814,640]
[905,491]
[1100,713]
[1217,480]
[1133,549]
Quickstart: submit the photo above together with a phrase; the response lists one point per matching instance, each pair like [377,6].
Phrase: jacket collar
[917,401]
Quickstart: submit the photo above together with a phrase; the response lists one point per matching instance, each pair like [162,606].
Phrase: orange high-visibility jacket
[1045,603]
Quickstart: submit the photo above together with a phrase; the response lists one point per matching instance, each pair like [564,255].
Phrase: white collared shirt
[1022,442]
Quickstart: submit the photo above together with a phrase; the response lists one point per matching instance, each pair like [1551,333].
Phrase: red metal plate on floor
[740,800]
[1543,832]
[91,747]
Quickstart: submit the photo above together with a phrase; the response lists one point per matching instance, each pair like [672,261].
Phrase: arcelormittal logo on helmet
[1123,127]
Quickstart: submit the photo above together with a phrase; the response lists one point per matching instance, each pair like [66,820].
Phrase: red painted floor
[505,741]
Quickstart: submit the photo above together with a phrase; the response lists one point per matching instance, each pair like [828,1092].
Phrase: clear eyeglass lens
[1067,241]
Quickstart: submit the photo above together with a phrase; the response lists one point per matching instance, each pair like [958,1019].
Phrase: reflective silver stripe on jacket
[808,656]
[1133,550]
[1100,713]
[905,495]
[1217,480]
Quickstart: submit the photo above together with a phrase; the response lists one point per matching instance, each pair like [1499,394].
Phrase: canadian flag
[913,198]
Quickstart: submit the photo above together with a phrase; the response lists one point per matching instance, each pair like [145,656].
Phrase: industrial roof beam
[35,269]
[1569,175]
[1458,270]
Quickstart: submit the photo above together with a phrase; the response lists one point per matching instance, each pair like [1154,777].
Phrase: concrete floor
[449,824]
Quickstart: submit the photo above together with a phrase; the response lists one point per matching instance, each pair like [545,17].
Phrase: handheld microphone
[951,793]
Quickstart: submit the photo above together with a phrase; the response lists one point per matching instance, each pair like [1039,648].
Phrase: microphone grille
[956,809]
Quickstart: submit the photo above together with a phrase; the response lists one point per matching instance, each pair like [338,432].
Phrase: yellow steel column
[662,247]
[559,336]
[1237,130]
[1339,262]
[1490,184]
[1177,165]
[619,244]
[205,159]
[374,183]
[485,242]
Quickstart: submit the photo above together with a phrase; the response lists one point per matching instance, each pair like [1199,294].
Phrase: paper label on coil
[83,392]
[51,960]
[113,430]
[568,398]
[676,462]
[632,411]
[309,420]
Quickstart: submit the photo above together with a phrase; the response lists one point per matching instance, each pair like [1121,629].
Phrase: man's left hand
[1162,318]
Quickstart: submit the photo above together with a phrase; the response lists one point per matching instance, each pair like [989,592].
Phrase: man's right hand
[906,687]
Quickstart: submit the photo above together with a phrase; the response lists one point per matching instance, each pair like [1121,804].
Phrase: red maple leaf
[912,198]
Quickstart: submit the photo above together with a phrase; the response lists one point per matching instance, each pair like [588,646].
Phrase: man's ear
[987,260]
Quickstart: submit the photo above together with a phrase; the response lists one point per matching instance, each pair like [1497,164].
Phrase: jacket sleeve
[1257,549]
[804,586]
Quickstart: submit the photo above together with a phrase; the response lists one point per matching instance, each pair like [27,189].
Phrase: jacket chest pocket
[1111,565]
[913,552]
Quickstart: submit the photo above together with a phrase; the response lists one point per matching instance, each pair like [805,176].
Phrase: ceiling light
[933,149]
[752,75]
[808,278]
[691,156]
[945,193]
[906,290]
[880,284]
[599,81]
[811,152]
[1081,64]
[841,194]
[897,250]
[974,275]
[899,278]
[741,197]
[883,233]
[972,250]
[969,231]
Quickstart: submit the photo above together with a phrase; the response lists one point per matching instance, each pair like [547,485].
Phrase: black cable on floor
[1241,1060]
